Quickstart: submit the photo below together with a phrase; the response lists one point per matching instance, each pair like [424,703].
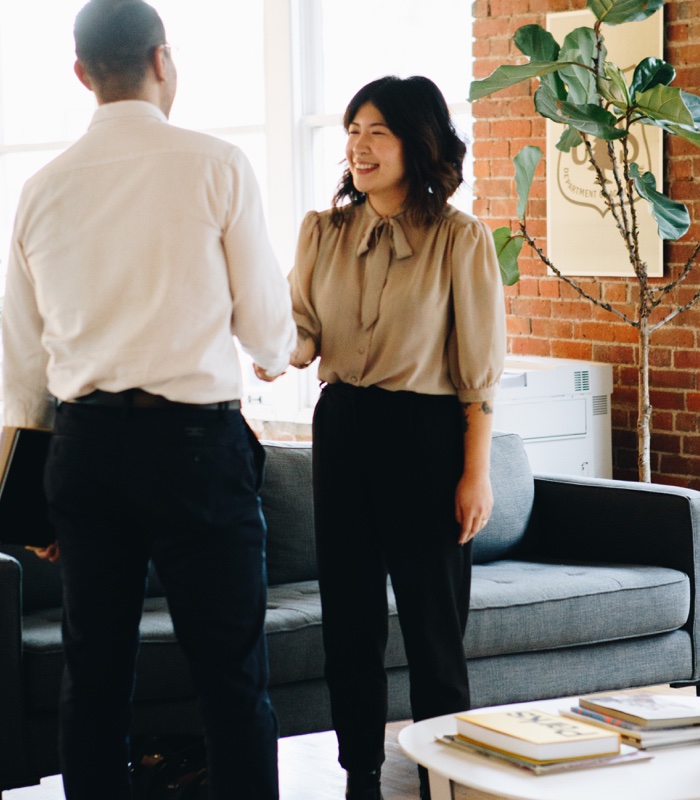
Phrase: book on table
[646,709]
[627,755]
[636,735]
[537,735]
[23,508]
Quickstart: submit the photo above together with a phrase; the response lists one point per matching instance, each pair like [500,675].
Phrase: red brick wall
[545,316]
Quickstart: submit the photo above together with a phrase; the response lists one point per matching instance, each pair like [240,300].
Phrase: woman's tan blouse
[402,307]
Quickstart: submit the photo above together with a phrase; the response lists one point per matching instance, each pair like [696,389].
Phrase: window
[272,76]
[43,107]
[359,43]
[336,49]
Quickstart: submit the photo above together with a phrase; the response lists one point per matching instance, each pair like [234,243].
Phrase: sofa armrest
[596,519]
[600,520]
[12,734]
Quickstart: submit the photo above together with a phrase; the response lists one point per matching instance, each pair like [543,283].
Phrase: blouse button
[353,379]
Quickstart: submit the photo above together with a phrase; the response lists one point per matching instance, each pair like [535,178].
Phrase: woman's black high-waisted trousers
[386,465]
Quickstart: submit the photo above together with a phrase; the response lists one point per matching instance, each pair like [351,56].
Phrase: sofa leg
[685,686]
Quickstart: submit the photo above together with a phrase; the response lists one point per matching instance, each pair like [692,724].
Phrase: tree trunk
[644,405]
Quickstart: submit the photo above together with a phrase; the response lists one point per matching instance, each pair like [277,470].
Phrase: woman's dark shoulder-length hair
[415,111]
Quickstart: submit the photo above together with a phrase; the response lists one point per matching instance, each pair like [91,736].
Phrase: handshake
[302,357]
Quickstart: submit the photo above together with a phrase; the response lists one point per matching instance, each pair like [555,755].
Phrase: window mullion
[280,102]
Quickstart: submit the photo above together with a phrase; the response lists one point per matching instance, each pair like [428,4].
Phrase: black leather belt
[137,398]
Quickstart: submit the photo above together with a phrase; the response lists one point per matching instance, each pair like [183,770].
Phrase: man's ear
[83,77]
[159,65]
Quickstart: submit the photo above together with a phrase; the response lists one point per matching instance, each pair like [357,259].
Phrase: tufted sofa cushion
[287,503]
[525,606]
[513,493]
[517,607]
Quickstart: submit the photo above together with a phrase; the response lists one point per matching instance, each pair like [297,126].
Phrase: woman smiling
[400,296]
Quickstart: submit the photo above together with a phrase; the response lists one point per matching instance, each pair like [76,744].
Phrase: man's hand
[50,553]
[262,375]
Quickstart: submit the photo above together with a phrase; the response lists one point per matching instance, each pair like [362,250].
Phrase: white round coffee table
[673,773]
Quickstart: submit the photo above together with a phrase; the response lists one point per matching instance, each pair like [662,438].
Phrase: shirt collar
[127,109]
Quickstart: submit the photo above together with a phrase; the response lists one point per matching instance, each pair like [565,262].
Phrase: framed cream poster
[582,237]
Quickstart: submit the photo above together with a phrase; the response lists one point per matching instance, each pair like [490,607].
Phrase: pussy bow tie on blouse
[384,236]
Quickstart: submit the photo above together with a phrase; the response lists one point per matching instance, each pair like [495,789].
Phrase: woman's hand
[305,353]
[300,358]
[473,505]
[474,496]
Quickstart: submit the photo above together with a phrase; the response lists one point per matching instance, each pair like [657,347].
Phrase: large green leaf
[525,165]
[509,75]
[612,87]
[689,132]
[690,135]
[536,43]
[580,46]
[587,118]
[508,247]
[615,12]
[664,104]
[651,72]
[692,103]
[539,45]
[671,217]
[570,138]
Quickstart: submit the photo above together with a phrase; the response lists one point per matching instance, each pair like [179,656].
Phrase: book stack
[642,719]
[538,742]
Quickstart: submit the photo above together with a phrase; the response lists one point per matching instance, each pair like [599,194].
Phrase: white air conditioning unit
[561,410]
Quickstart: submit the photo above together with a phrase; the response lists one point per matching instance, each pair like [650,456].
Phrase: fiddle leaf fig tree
[585,93]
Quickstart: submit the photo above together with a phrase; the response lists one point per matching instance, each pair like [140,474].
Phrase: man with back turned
[137,255]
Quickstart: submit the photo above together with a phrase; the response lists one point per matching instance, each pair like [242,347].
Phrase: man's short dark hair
[115,40]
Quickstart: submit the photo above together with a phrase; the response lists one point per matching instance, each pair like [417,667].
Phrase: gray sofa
[579,585]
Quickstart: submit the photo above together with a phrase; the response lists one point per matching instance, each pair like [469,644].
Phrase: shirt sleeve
[476,349]
[301,276]
[26,399]
[262,319]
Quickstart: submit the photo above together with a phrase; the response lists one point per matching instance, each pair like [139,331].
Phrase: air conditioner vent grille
[600,405]
[582,380]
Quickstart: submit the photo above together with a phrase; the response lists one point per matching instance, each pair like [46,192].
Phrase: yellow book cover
[537,735]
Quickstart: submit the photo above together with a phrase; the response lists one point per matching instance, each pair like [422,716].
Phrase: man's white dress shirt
[137,255]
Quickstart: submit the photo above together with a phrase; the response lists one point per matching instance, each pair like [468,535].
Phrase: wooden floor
[309,771]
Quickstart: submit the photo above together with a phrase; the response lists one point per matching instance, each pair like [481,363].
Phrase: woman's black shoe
[363,786]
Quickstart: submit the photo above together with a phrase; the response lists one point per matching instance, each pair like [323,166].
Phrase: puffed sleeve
[476,349]
[301,277]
